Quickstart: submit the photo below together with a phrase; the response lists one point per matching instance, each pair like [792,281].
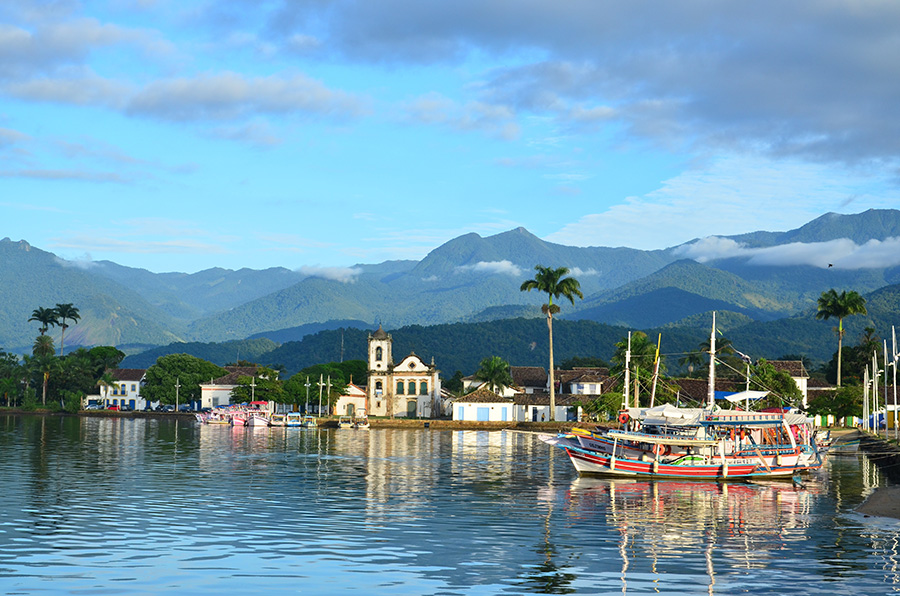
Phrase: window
[379,388]
[423,388]
[133,388]
[378,353]
[399,387]
[123,389]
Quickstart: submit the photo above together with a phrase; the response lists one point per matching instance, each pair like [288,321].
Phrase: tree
[45,316]
[555,284]
[43,346]
[494,372]
[8,387]
[846,401]
[839,306]
[44,365]
[189,371]
[265,386]
[107,381]
[65,312]
[783,390]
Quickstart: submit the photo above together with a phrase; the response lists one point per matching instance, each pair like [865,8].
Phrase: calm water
[121,506]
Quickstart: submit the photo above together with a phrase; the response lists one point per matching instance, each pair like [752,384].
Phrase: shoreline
[884,502]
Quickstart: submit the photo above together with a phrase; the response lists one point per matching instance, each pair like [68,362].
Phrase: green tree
[44,365]
[8,387]
[845,401]
[783,390]
[45,316]
[554,283]
[454,384]
[189,371]
[265,386]
[65,312]
[494,372]
[840,306]
[43,346]
[107,381]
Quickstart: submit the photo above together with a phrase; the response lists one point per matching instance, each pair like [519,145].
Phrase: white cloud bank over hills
[842,253]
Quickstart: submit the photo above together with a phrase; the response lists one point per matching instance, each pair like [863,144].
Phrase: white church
[410,388]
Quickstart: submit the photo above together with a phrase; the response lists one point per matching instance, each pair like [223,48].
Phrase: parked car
[93,407]
[165,408]
[126,409]
[185,408]
[114,408]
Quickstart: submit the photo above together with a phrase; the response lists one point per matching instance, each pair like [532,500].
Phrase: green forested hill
[110,313]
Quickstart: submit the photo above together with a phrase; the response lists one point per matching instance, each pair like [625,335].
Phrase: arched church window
[423,388]
[399,387]
[379,388]
[378,353]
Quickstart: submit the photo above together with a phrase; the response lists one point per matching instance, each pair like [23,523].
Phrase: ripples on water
[123,506]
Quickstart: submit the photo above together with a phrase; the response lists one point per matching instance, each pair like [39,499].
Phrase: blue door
[483,414]
[459,413]
[503,414]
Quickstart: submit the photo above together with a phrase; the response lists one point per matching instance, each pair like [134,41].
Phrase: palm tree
[45,316]
[106,381]
[43,346]
[555,284]
[45,364]
[838,306]
[494,371]
[8,386]
[65,312]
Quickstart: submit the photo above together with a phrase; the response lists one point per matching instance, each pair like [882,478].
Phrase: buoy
[623,418]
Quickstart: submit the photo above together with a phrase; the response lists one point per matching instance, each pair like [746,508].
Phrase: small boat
[361,420]
[238,419]
[345,422]
[278,420]
[258,419]
[293,420]
[309,422]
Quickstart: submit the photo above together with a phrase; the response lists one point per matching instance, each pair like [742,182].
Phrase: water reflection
[143,506]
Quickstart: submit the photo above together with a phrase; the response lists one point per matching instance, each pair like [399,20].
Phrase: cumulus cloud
[579,272]
[341,274]
[728,196]
[232,95]
[806,78]
[842,253]
[492,119]
[492,268]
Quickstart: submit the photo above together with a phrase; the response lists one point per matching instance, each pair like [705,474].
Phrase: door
[351,410]
[460,411]
[483,414]
[503,414]
[411,409]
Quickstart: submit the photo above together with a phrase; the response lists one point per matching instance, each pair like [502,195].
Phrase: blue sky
[178,136]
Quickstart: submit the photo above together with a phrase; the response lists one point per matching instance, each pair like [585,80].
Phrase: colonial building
[218,391]
[409,388]
[351,402]
[126,391]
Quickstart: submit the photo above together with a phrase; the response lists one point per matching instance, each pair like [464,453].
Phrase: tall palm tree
[45,364]
[839,306]
[555,283]
[494,371]
[106,381]
[65,312]
[45,316]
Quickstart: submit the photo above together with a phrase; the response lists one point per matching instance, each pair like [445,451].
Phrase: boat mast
[655,371]
[712,364]
[625,402]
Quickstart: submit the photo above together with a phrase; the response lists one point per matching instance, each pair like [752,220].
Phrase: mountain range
[765,278]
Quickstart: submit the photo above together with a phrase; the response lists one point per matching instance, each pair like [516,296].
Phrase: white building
[351,402]
[218,391]
[483,405]
[127,389]
[410,388]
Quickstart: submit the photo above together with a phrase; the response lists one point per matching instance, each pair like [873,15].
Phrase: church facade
[409,388]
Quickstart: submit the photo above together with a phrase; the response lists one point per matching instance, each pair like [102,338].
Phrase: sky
[177,136]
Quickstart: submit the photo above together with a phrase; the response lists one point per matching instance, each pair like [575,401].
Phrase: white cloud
[492,268]
[495,120]
[732,195]
[341,274]
[579,272]
[232,95]
[841,253]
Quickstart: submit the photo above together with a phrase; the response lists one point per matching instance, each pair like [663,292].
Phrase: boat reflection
[727,525]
